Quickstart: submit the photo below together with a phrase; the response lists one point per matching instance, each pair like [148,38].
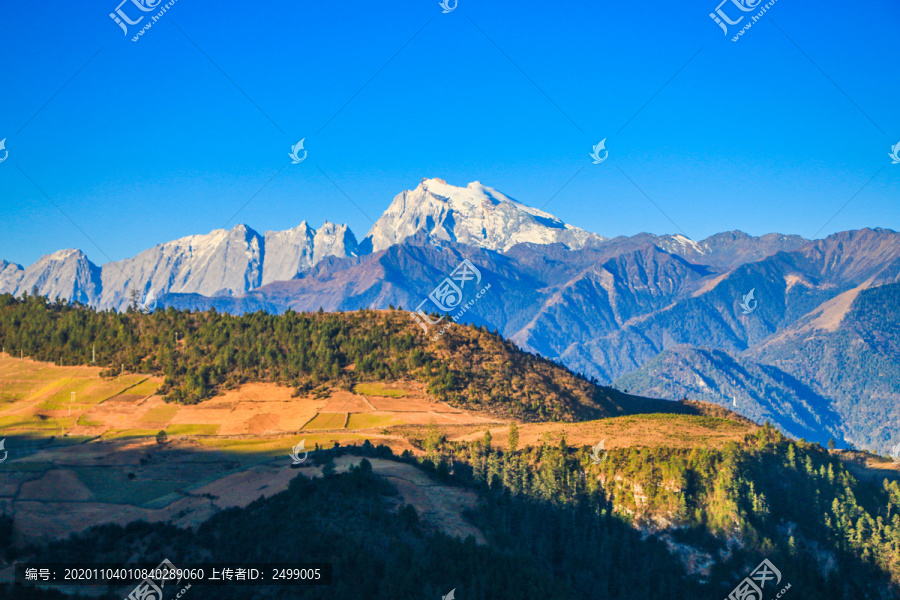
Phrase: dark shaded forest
[557,526]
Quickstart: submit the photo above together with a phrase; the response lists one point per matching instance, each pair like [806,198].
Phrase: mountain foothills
[813,351]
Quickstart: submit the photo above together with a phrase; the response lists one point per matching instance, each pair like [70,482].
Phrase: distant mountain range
[818,354]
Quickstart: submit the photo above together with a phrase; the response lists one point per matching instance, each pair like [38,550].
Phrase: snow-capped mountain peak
[476,214]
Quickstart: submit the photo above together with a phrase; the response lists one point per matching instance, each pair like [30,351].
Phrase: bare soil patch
[346,402]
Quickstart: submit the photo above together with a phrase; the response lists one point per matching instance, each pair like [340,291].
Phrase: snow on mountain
[476,215]
[223,262]
[234,262]
[64,274]
[334,240]
[289,253]
[721,251]
[731,248]
[681,245]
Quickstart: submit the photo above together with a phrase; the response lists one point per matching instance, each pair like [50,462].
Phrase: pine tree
[513,438]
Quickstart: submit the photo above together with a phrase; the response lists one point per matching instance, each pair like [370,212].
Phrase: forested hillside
[720,511]
[200,353]
[854,363]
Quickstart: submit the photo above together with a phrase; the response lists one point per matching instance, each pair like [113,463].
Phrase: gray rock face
[334,240]
[66,274]
[475,215]
[218,263]
[290,253]
[10,276]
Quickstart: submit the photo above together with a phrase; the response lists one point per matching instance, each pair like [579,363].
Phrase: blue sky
[143,142]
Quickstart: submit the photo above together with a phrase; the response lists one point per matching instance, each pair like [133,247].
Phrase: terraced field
[37,401]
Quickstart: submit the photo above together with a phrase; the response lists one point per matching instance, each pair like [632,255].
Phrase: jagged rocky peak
[224,261]
[289,253]
[477,215]
[334,240]
[10,276]
[64,274]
